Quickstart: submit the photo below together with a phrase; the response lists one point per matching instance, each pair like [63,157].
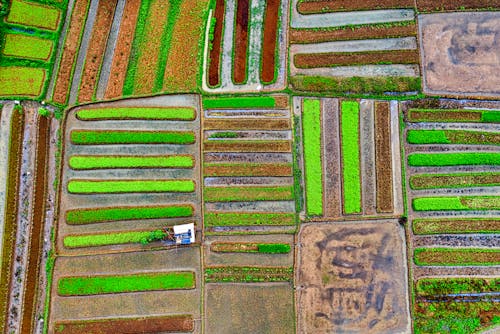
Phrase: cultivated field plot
[248,164]
[354,47]
[351,157]
[460,50]
[351,277]
[246,46]
[453,181]
[122,48]
[138,292]
[129,168]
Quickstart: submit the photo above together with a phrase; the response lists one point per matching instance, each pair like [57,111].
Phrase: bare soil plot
[459,50]
[241,41]
[215,53]
[322,6]
[249,308]
[269,40]
[451,5]
[352,277]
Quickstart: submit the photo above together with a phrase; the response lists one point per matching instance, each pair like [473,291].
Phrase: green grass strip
[454,159]
[274,248]
[34,15]
[129,186]
[491,116]
[97,162]
[453,137]
[456,203]
[95,285]
[236,194]
[456,285]
[99,215]
[311,125]
[104,239]
[247,219]
[457,256]
[456,226]
[458,180]
[22,46]
[103,137]
[350,157]
[239,102]
[179,113]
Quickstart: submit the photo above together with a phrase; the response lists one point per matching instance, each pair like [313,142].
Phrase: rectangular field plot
[350,157]
[34,15]
[130,169]
[27,47]
[21,81]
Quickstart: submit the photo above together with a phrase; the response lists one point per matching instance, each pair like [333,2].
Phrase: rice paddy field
[339,161]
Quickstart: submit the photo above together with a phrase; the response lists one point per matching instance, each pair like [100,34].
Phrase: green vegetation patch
[21,81]
[239,102]
[34,15]
[97,162]
[99,215]
[244,219]
[248,274]
[102,137]
[129,186]
[453,137]
[179,113]
[22,46]
[458,180]
[453,115]
[311,125]
[274,248]
[96,285]
[105,239]
[457,256]
[456,225]
[227,134]
[350,157]
[456,203]
[454,159]
[235,194]
[455,285]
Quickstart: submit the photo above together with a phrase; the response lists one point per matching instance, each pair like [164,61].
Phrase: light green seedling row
[129,186]
[180,113]
[97,162]
[350,157]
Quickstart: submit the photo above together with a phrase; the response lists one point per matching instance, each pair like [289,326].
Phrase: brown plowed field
[444,181]
[36,234]
[383,167]
[312,60]
[241,42]
[457,116]
[423,226]
[123,47]
[458,257]
[259,170]
[364,32]
[70,51]
[181,323]
[312,7]
[234,247]
[97,47]
[215,53]
[433,5]
[281,101]
[229,146]
[269,40]
[246,124]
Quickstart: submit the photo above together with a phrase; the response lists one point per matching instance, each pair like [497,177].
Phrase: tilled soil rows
[215,52]
[431,5]
[325,6]
[382,157]
[269,40]
[241,41]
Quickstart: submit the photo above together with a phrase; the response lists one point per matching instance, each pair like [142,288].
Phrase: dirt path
[255,41]
[5,121]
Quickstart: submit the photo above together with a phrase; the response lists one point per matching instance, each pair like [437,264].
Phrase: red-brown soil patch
[36,234]
[383,167]
[97,47]
[312,7]
[246,124]
[123,47]
[234,247]
[364,32]
[230,146]
[249,170]
[181,323]
[443,116]
[70,51]
[269,40]
[215,53]
[281,101]
[11,208]
[457,256]
[241,41]
[433,5]
[311,60]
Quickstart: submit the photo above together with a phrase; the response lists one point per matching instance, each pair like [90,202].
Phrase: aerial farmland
[249,166]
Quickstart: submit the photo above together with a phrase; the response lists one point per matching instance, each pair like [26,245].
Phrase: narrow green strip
[235,219]
[104,239]
[235,194]
[456,203]
[350,157]
[129,186]
[103,137]
[239,102]
[453,137]
[457,256]
[455,285]
[311,125]
[85,285]
[179,113]
[491,116]
[96,162]
[427,137]
[453,159]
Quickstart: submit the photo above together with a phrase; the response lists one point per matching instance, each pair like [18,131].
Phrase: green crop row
[133,113]
[105,239]
[460,115]
[452,180]
[239,102]
[454,159]
[450,203]
[235,194]
[98,215]
[457,256]
[129,186]
[456,225]
[453,137]
[350,156]
[313,170]
[227,134]
[103,137]
[274,248]
[456,285]
[95,285]
[97,162]
[243,219]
